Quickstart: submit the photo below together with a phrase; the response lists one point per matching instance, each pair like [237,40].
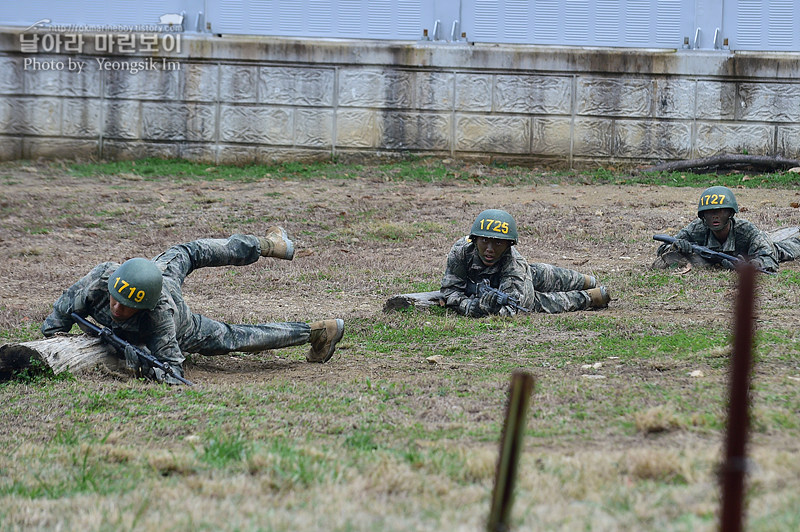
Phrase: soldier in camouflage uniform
[717,228]
[142,302]
[488,254]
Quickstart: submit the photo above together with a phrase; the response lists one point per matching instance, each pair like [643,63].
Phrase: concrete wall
[238,99]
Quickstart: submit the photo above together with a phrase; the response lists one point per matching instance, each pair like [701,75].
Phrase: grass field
[628,414]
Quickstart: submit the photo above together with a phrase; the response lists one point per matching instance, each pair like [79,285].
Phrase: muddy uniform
[539,287]
[744,239]
[171,328]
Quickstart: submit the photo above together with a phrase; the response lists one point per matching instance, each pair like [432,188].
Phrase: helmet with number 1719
[495,223]
[136,284]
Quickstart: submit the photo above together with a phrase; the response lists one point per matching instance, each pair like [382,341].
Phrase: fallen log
[74,353]
[728,161]
[417,300]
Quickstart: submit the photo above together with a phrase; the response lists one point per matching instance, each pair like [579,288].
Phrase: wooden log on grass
[74,353]
[726,162]
[416,300]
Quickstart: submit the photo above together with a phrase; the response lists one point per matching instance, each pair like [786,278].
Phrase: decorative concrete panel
[358,129]
[615,97]
[11,149]
[650,139]
[10,116]
[715,139]
[118,150]
[716,100]
[504,134]
[435,90]
[11,80]
[313,127]
[769,102]
[551,136]
[376,88]
[256,125]
[35,147]
[81,118]
[144,85]
[201,82]
[592,137]
[787,141]
[76,77]
[175,121]
[121,119]
[296,86]
[420,131]
[533,94]
[473,92]
[203,153]
[238,84]
[674,98]
[236,154]
[274,154]
[32,116]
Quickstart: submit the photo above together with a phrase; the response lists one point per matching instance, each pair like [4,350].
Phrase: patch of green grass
[220,449]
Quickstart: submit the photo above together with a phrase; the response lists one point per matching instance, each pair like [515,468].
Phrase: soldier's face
[120,312]
[717,219]
[491,249]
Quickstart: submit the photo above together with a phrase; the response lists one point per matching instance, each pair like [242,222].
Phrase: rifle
[709,254]
[107,335]
[502,297]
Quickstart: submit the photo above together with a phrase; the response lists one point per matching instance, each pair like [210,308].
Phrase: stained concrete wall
[237,99]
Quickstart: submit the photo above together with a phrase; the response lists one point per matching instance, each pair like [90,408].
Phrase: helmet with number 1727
[495,223]
[716,198]
[136,284]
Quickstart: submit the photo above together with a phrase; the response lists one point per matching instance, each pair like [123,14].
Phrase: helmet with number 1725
[495,223]
[136,284]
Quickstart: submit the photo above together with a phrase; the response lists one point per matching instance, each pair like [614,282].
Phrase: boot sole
[339,334]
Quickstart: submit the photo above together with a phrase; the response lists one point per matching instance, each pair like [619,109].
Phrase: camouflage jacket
[159,330]
[511,275]
[744,239]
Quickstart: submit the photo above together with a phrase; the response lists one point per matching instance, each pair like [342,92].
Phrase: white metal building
[763,25]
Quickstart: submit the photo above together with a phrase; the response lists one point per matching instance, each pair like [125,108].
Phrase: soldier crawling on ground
[142,302]
[488,254]
[717,228]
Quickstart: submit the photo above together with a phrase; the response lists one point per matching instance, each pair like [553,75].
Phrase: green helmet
[136,284]
[717,198]
[494,223]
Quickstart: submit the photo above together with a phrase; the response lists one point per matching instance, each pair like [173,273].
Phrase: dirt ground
[358,241]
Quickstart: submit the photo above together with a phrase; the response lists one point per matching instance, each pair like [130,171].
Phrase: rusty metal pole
[510,447]
[733,470]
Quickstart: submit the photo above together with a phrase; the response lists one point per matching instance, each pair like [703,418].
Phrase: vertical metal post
[733,470]
[510,446]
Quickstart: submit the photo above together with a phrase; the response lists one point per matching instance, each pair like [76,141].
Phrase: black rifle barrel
[107,335]
[709,253]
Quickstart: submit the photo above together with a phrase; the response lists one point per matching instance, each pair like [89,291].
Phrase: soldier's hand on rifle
[471,307]
[682,246]
[489,303]
[728,265]
[132,359]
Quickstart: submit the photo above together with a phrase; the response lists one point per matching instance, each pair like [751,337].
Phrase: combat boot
[324,337]
[589,282]
[276,244]
[599,296]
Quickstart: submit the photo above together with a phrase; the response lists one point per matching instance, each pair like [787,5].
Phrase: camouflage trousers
[199,334]
[788,249]
[554,289]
